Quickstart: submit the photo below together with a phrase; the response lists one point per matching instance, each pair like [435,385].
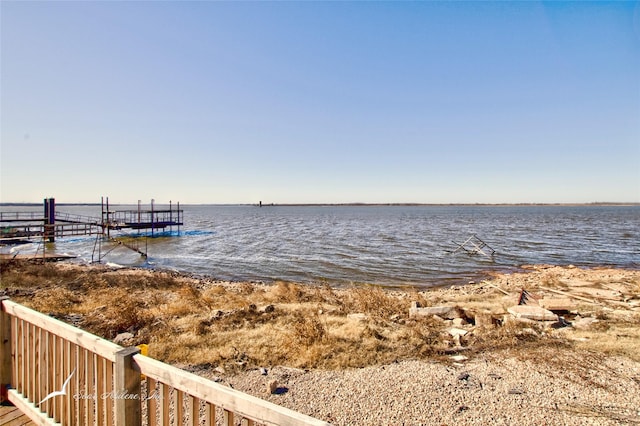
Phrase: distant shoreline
[621,204]
[594,204]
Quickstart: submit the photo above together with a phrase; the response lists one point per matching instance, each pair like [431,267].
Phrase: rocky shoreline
[551,384]
[550,345]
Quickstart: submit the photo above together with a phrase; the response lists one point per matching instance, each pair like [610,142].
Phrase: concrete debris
[444,312]
[459,322]
[599,293]
[459,358]
[535,313]
[540,311]
[457,332]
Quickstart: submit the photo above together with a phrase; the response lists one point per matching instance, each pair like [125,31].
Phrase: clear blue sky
[286,102]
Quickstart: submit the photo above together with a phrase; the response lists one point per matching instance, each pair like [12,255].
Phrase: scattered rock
[464,376]
[268,309]
[123,338]
[74,319]
[562,323]
[263,371]
[272,387]
[583,323]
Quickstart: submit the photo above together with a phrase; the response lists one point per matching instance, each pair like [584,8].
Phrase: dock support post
[108,220]
[50,219]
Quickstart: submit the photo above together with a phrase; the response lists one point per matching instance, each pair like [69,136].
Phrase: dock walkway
[18,227]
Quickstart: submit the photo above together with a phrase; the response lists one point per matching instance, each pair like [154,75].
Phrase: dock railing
[59,374]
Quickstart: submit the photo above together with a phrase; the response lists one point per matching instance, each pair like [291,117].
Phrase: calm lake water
[387,245]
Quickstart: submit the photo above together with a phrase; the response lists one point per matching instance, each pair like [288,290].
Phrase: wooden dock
[11,416]
[25,227]
[47,257]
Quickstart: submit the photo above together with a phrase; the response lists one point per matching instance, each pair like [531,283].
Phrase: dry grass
[611,338]
[239,326]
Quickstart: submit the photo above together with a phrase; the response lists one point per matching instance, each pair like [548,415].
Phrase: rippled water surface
[388,245]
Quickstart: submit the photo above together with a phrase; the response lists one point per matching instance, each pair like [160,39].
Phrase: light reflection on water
[388,245]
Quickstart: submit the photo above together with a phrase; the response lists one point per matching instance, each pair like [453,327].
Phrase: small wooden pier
[20,227]
[140,218]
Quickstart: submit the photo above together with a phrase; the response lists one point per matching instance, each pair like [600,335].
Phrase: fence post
[5,351]
[127,389]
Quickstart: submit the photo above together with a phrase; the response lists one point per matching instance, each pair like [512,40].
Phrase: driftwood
[564,293]
[506,293]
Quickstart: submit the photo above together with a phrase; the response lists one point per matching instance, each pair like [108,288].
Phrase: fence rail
[58,374]
[21,216]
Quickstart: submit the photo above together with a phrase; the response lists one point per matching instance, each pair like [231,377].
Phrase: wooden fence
[58,374]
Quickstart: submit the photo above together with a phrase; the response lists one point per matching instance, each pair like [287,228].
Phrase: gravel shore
[582,368]
[546,385]
[567,389]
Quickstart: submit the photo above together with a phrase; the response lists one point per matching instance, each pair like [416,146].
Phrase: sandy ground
[490,389]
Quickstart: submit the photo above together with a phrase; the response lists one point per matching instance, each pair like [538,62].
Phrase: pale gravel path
[497,391]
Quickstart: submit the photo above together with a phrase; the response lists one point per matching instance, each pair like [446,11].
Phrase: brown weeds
[241,326]
[375,302]
[307,330]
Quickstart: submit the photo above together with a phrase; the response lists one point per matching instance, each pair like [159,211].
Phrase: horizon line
[351,204]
